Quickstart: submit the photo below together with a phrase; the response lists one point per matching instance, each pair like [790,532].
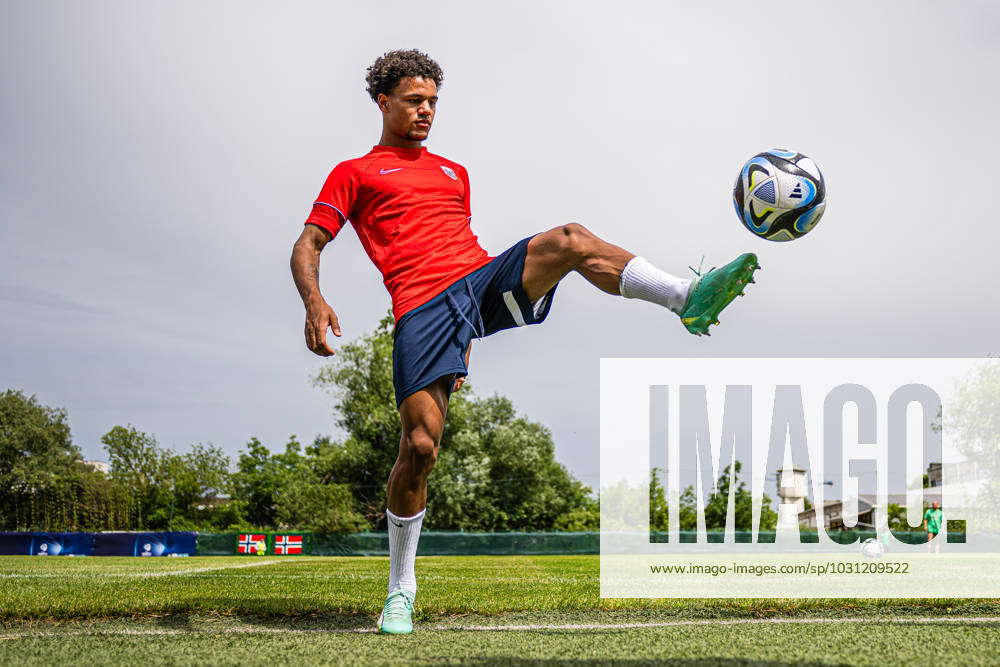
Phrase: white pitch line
[160,632]
[252,630]
[139,575]
[738,621]
[195,570]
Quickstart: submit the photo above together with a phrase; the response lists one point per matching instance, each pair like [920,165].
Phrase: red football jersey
[411,211]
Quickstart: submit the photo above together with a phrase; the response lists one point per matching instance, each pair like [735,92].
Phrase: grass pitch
[469,610]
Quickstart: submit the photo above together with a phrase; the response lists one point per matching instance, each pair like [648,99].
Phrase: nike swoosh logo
[383,172]
[398,525]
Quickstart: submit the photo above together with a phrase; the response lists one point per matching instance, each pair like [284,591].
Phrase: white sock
[403,536]
[642,280]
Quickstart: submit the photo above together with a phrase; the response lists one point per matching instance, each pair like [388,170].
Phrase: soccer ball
[780,195]
[872,548]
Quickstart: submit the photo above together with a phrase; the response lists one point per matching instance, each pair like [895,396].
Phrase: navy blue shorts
[429,341]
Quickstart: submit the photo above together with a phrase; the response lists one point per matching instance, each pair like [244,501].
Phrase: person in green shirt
[932,524]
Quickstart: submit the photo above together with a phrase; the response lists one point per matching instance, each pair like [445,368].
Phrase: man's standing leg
[572,247]
[422,416]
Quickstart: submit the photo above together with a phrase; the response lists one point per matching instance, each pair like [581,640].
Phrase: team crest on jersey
[450,172]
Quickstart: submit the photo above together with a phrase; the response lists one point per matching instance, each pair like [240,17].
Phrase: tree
[200,482]
[140,466]
[36,455]
[581,520]
[717,506]
[261,475]
[324,508]
[43,483]
[659,519]
[35,442]
[973,423]
[896,517]
[167,490]
[497,470]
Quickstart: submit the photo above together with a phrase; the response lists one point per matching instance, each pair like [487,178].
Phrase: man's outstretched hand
[305,272]
[320,317]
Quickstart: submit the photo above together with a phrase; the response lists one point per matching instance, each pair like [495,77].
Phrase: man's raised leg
[422,416]
[572,247]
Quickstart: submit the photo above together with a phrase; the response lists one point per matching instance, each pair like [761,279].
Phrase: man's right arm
[305,272]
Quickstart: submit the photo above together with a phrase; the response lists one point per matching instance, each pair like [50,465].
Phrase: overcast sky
[160,160]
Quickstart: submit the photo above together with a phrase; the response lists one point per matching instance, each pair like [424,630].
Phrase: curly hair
[390,68]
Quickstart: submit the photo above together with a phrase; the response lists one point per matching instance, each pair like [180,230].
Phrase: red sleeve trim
[327,216]
[343,216]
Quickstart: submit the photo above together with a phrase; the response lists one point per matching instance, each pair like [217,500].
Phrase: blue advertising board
[144,544]
[46,544]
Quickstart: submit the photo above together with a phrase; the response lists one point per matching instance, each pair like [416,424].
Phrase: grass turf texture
[240,610]
[871,643]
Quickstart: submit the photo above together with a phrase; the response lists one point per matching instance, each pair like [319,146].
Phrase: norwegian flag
[288,544]
[248,543]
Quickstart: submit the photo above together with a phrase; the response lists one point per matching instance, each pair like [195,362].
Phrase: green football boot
[711,292]
[397,614]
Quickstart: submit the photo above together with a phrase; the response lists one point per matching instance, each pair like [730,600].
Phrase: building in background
[957,482]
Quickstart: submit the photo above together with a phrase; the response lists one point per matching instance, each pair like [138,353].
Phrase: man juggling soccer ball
[411,211]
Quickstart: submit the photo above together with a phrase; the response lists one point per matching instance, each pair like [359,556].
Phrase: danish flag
[248,543]
[288,544]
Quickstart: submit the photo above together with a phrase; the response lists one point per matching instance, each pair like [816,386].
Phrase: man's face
[408,111]
[937,505]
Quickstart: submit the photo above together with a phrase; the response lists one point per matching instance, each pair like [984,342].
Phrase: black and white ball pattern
[780,195]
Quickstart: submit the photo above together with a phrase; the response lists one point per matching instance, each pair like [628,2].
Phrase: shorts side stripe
[515,310]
